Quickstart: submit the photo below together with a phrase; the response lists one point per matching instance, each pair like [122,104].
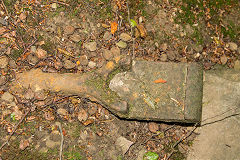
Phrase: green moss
[16,53]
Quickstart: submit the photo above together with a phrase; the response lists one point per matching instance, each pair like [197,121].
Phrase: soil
[74,36]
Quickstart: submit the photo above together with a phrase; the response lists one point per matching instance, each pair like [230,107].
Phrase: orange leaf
[160,81]
[114,27]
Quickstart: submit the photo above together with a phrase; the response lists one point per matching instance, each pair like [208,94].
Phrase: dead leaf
[22,16]
[114,27]
[160,81]
[65,52]
[49,116]
[87,122]
[142,30]
[82,115]
[2,30]
[23,144]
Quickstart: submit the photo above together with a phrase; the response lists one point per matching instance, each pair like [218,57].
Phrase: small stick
[181,139]
[35,40]
[133,52]
[61,3]
[61,146]
[4,7]
[15,128]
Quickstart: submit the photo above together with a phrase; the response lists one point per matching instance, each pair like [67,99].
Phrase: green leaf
[133,23]
[13,116]
[150,156]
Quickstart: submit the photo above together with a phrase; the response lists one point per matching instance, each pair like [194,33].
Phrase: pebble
[32,59]
[92,64]
[68,64]
[40,53]
[125,37]
[69,30]
[163,57]
[7,97]
[75,38]
[172,55]
[62,111]
[2,80]
[233,46]
[83,60]
[107,36]
[12,64]
[107,54]
[163,46]
[121,44]
[4,61]
[153,127]
[115,51]
[91,46]
[223,59]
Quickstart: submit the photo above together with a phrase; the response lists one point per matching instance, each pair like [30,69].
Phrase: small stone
[3,79]
[62,111]
[12,64]
[233,46]
[4,61]
[153,127]
[82,115]
[7,97]
[163,46]
[92,64]
[107,54]
[121,44]
[33,49]
[237,65]
[125,37]
[69,30]
[115,51]
[54,5]
[32,59]
[223,59]
[91,46]
[123,143]
[163,57]
[40,53]
[68,64]
[172,55]
[83,60]
[75,38]
[107,36]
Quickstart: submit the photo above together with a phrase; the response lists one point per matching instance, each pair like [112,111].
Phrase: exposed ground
[79,36]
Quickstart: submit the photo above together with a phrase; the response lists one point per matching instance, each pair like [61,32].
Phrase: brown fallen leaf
[65,52]
[160,81]
[23,144]
[142,30]
[114,27]
[87,122]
